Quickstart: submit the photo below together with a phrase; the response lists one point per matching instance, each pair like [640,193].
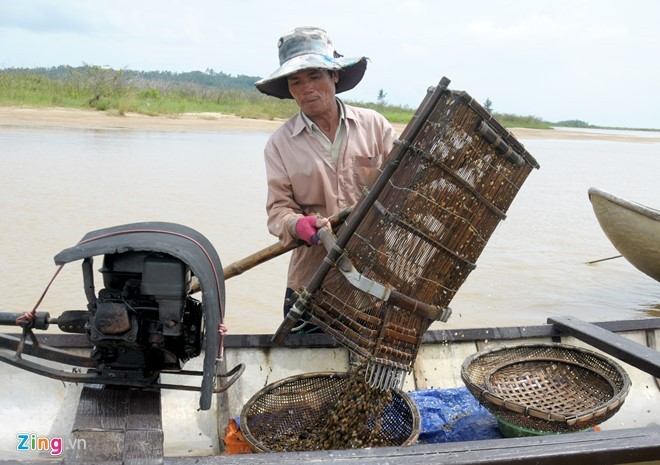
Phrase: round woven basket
[294,404]
[546,387]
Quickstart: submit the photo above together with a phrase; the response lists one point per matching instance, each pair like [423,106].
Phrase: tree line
[157,79]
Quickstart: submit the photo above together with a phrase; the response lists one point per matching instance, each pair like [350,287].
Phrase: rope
[26,320]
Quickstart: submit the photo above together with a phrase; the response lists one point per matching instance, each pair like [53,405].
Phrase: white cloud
[527,29]
[42,18]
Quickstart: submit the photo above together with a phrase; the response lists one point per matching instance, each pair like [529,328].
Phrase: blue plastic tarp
[450,415]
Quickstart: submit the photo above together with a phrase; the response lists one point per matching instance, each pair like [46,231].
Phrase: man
[320,160]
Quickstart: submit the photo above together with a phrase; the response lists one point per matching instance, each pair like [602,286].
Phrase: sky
[596,61]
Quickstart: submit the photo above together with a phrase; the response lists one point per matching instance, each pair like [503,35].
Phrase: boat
[632,228]
[187,435]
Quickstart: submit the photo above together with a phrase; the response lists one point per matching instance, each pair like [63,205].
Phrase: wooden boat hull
[633,229]
[47,406]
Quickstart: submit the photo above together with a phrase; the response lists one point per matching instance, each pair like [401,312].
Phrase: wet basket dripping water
[291,406]
[546,387]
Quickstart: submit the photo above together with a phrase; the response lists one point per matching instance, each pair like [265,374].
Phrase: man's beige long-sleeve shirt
[303,179]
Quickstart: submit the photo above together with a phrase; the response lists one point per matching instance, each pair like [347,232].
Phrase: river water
[58,184]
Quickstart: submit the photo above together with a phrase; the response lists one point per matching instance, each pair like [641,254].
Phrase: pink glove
[307,227]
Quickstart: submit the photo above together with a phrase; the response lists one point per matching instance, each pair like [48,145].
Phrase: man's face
[313,90]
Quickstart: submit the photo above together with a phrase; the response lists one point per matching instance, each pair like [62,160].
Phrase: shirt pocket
[366,168]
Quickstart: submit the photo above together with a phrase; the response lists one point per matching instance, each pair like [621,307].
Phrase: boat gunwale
[636,207]
[432,336]
[625,446]
[605,448]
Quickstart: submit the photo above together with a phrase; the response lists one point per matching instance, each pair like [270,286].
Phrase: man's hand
[307,228]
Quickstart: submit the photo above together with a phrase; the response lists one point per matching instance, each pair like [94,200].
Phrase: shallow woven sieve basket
[547,387]
[289,406]
[419,231]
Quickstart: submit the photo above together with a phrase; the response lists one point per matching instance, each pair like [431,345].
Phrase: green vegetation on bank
[165,93]
[122,92]
[153,93]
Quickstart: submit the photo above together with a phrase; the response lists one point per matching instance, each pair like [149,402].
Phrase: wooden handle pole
[257,258]
[270,252]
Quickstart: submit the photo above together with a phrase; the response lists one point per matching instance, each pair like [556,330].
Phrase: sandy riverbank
[15,118]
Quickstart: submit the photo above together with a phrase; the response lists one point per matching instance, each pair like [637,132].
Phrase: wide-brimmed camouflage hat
[307,48]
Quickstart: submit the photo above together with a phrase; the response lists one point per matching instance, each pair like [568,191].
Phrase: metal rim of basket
[255,443]
[614,403]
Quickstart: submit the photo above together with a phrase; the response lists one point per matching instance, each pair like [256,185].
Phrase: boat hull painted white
[47,407]
[633,229]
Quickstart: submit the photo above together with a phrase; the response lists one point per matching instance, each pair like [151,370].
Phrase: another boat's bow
[632,228]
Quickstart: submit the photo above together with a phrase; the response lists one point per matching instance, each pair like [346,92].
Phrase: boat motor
[144,321]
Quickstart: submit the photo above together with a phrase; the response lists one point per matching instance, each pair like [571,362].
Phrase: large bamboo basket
[423,234]
[547,387]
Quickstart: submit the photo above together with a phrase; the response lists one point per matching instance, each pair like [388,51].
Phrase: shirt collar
[305,122]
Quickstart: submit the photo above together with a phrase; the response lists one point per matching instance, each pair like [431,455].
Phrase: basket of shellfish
[328,410]
[546,387]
